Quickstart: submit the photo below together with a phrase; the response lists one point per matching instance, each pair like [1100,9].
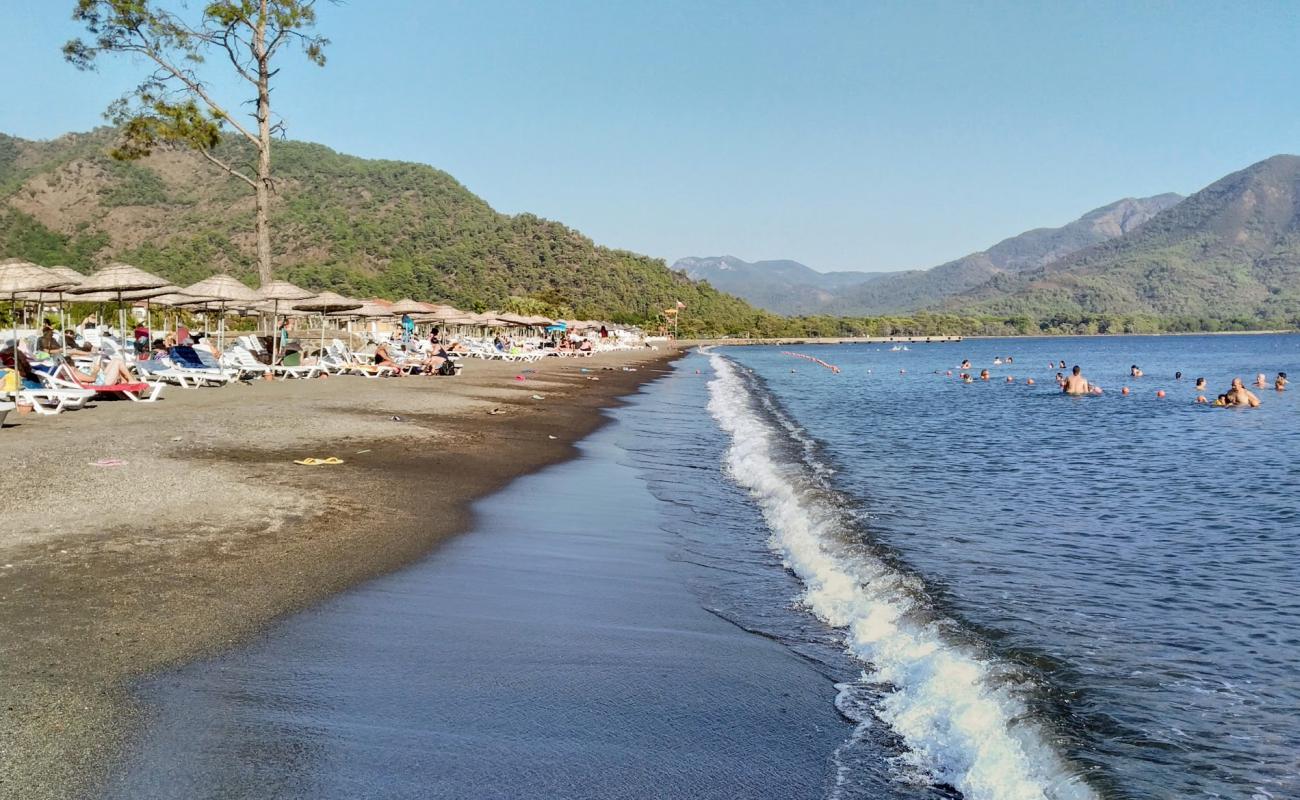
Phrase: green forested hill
[357,226]
[1229,255]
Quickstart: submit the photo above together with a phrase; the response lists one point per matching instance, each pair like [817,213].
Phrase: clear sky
[847,135]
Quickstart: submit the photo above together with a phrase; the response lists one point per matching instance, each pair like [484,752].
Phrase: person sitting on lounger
[385,359]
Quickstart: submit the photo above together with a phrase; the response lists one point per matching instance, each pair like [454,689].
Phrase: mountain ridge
[358,226]
[1228,251]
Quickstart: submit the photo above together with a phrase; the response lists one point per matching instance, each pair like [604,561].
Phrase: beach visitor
[1280,382]
[385,359]
[984,374]
[106,372]
[1134,372]
[965,363]
[1062,364]
[1076,384]
[1239,395]
[1200,384]
[604,332]
[408,327]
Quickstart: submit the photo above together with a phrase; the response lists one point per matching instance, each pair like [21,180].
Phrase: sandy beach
[208,531]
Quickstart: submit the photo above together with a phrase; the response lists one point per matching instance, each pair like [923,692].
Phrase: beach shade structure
[323,304]
[407,306]
[277,292]
[72,277]
[119,280]
[226,292]
[18,278]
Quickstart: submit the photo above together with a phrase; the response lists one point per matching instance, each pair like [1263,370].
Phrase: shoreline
[210,532]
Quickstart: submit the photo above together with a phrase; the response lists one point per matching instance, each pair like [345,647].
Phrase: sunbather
[385,359]
[106,372]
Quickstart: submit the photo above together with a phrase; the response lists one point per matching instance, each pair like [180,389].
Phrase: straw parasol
[226,291]
[71,277]
[407,306]
[19,277]
[276,292]
[326,303]
[117,280]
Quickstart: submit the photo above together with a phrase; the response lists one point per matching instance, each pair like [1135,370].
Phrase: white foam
[957,712]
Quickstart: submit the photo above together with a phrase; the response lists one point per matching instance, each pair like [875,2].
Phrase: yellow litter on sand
[315,462]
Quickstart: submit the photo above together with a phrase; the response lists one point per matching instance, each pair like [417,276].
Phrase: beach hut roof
[223,289]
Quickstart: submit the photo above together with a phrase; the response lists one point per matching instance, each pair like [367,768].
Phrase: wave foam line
[957,712]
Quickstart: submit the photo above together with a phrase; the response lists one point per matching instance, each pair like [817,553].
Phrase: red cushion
[120,387]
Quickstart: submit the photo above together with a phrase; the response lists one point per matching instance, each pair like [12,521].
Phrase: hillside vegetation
[1226,257]
[357,226]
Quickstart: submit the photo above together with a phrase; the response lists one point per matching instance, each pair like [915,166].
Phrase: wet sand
[556,651]
[209,531]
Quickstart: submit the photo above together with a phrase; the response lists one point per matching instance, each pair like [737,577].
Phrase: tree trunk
[264,268]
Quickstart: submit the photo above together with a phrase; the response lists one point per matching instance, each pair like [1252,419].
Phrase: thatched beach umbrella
[226,291]
[276,292]
[118,280]
[406,306]
[21,277]
[74,278]
[326,303]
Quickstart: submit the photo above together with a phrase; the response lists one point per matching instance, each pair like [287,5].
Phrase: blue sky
[850,135]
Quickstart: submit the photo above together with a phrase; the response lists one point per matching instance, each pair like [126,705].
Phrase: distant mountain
[909,291]
[786,287]
[1230,251]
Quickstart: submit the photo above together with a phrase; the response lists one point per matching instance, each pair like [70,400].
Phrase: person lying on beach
[585,346]
[1260,381]
[1280,382]
[106,372]
[1076,384]
[1239,395]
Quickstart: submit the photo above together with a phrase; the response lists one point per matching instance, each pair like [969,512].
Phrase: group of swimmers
[1076,384]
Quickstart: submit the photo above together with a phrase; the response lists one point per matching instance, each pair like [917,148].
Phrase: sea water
[768,580]
[1051,596]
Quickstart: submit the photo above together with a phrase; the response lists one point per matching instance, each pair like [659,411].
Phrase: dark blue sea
[765,579]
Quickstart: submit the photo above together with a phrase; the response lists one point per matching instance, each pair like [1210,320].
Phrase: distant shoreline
[954,339]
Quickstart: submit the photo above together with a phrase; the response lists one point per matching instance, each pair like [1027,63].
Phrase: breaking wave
[961,713]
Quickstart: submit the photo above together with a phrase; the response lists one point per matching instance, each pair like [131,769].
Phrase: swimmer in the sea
[1279,383]
[965,363]
[1076,384]
[1134,371]
[1260,381]
[1062,364]
[984,374]
[1239,395]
